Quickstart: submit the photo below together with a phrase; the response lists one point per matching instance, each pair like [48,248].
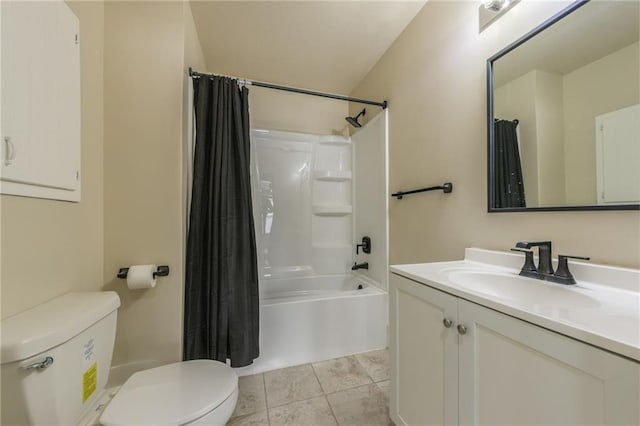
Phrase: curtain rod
[383,104]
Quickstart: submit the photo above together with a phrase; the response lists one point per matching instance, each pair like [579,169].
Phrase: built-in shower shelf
[334,140]
[331,210]
[332,175]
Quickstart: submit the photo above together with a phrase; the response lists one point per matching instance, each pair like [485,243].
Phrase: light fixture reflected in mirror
[491,10]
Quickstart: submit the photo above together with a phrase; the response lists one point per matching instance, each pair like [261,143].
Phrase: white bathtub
[311,319]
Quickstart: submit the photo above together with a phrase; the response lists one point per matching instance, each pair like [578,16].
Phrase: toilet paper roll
[141,276]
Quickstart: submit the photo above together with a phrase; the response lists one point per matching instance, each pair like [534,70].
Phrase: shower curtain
[509,185]
[221,311]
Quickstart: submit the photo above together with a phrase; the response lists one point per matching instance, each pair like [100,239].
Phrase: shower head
[354,120]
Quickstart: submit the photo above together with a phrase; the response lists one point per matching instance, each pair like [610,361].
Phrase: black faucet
[544,255]
[544,270]
[364,265]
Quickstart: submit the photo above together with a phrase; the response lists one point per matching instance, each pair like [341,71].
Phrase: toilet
[55,360]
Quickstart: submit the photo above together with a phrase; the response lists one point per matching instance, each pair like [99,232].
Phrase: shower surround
[312,306]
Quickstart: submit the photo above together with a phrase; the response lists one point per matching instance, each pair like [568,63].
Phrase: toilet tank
[55,358]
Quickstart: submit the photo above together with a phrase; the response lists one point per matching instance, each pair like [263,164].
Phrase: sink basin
[602,309]
[515,288]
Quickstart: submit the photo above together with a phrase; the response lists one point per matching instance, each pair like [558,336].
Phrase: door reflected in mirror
[564,113]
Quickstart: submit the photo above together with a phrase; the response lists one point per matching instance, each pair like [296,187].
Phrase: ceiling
[319,45]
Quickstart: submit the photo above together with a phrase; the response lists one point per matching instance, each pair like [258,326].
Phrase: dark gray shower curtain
[509,185]
[221,312]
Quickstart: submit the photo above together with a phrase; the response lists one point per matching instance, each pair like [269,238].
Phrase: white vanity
[472,342]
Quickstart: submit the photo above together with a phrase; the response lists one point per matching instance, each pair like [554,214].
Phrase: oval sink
[521,289]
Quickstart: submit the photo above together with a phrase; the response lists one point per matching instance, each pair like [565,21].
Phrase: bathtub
[312,319]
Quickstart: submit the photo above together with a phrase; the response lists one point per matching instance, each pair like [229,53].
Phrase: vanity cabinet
[457,362]
[423,354]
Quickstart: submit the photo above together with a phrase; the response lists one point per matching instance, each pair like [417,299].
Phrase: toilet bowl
[55,365]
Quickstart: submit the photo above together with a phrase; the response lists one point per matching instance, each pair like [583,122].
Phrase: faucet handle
[568,256]
[366,245]
[529,266]
[563,268]
[522,250]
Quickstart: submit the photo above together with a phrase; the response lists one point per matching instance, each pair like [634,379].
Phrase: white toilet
[55,365]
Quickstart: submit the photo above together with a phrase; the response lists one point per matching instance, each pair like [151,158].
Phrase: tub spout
[364,265]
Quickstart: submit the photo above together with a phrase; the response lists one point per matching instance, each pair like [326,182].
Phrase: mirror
[564,113]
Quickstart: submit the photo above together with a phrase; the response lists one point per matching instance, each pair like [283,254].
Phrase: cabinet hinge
[77,39]
[77,174]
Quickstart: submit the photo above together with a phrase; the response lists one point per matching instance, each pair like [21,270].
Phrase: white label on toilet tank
[89,351]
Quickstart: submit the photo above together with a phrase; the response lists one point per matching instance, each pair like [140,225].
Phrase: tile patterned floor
[353,390]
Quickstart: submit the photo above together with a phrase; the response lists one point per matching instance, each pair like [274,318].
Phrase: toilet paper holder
[162,271]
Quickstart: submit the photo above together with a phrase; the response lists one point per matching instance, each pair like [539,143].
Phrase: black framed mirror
[563,120]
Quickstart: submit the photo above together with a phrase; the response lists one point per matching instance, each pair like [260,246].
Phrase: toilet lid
[173,394]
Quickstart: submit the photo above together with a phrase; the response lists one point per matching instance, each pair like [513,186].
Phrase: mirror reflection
[566,113]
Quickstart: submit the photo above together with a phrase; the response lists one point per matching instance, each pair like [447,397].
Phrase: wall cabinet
[456,362]
[40,98]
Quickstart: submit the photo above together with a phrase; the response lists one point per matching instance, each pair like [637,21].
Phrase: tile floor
[353,390]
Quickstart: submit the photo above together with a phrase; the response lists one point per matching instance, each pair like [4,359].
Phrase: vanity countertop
[602,309]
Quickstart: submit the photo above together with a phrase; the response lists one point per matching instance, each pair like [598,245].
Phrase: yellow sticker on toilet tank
[89,381]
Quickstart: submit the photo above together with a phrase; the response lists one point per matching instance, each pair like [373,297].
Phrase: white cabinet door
[618,156]
[40,96]
[16,90]
[516,373]
[424,354]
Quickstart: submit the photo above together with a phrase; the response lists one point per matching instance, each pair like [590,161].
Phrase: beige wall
[292,112]
[52,247]
[434,78]
[551,173]
[193,55]
[193,58]
[144,196]
[605,85]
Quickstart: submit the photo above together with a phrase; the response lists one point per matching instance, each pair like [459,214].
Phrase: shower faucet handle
[366,245]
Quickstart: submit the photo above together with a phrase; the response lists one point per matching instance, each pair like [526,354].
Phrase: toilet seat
[174,394]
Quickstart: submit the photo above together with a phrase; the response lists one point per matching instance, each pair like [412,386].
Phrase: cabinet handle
[447,322]
[10,153]
[462,329]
